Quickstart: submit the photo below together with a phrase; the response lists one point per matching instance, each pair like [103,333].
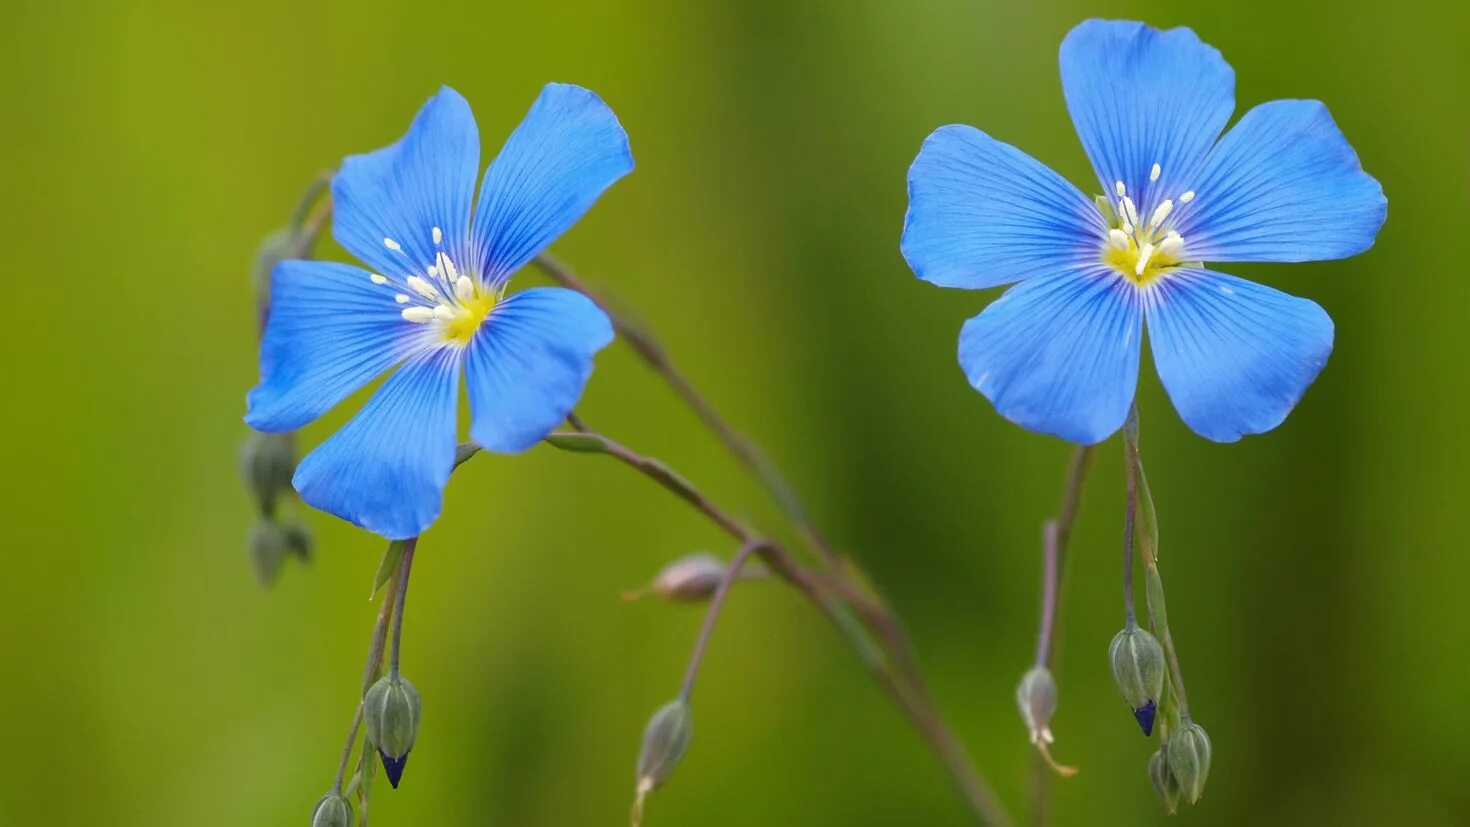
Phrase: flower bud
[391,710]
[298,541]
[267,462]
[269,543]
[665,740]
[1165,784]
[1189,759]
[1138,669]
[687,579]
[333,810]
[1036,697]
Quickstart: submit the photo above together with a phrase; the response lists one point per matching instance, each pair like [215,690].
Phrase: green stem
[1153,581]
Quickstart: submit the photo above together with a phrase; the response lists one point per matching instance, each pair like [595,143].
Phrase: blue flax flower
[1058,353]
[434,302]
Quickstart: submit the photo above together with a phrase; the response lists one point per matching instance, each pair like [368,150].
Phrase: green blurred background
[1317,575]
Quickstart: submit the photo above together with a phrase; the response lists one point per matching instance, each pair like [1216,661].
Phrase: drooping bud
[1189,759]
[298,541]
[269,543]
[1165,784]
[1138,669]
[333,810]
[690,578]
[267,462]
[391,709]
[1036,698]
[665,740]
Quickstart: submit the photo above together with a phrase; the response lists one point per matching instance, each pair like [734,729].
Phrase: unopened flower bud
[1138,669]
[269,543]
[333,810]
[1036,697]
[391,709]
[267,462]
[690,578]
[1189,759]
[1165,784]
[665,740]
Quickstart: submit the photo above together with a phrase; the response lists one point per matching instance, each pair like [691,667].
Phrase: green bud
[267,462]
[270,542]
[298,541]
[665,740]
[1138,670]
[1036,697]
[334,810]
[391,710]
[1189,759]
[1165,784]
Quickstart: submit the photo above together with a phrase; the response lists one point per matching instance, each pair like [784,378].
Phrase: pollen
[438,235]
[392,245]
[457,304]
[377,279]
[419,315]
[423,288]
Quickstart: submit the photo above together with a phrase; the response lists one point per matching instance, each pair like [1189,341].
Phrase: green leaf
[577,442]
[391,558]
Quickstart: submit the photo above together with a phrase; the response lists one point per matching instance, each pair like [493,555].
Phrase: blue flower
[1058,353]
[434,302]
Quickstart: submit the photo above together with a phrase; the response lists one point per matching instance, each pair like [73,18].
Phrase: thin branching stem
[370,672]
[1056,533]
[717,603]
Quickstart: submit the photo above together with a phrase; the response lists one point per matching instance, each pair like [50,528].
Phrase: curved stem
[911,698]
[369,675]
[1056,533]
[747,452]
[732,573]
[1129,516]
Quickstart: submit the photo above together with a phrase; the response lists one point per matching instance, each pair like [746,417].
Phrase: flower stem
[911,697]
[748,453]
[732,573]
[370,672]
[1153,581]
[1056,533]
[403,570]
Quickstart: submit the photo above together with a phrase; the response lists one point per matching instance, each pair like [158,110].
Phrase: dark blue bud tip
[393,767]
[1144,714]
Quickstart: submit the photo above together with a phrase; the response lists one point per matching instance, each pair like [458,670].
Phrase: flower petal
[983,213]
[331,330]
[568,149]
[385,470]
[402,192]
[1059,353]
[1282,185]
[1235,356]
[528,364]
[1139,97]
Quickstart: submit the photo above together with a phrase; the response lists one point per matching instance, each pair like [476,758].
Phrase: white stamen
[433,271]
[1160,213]
[1148,250]
[438,235]
[418,315]
[401,298]
[1172,246]
[1127,228]
[447,268]
[1129,210]
[1186,197]
[444,312]
[1153,174]
[1119,239]
[392,245]
[423,288]
[464,289]
[1120,189]
[377,279]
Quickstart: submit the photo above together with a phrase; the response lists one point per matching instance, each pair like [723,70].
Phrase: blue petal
[1235,356]
[1282,185]
[385,470]
[1139,97]
[568,149]
[331,331]
[1059,353]
[528,364]
[983,213]
[404,191]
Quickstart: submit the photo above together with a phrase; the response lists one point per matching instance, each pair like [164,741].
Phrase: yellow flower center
[1142,248]
[454,305]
